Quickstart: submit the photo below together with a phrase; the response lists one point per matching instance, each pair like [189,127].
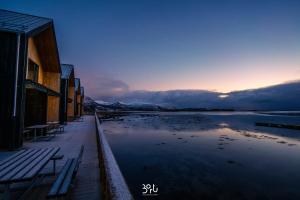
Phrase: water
[207,155]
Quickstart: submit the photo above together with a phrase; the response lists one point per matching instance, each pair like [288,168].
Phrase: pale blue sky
[164,45]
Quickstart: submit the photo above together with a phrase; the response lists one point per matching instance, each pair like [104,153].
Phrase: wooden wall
[78,98]
[52,80]
[42,52]
[82,107]
[34,56]
[53,109]
[11,115]
[71,105]
[46,77]
[78,104]
[46,44]
[36,108]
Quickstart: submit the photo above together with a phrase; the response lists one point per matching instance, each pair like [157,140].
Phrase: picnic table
[24,165]
[53,122]
[37,127]
[56,126]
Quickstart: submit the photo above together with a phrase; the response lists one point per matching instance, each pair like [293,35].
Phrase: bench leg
[34,135]
[36,181]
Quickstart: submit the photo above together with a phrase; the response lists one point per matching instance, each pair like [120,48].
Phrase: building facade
[67,100]
[30,75]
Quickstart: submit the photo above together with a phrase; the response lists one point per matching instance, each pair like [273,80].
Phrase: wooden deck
[87,184]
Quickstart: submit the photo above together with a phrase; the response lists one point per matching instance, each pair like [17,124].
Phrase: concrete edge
[113,183]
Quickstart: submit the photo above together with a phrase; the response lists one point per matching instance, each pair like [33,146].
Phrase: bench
[52,131]
[26,132]
[23,167]
[61,128]
[55,158]
[63,182]
[57,127]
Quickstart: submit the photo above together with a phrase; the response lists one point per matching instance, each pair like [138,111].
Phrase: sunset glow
[152,45]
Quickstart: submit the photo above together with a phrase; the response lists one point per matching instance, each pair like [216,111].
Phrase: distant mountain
[127,106]
[278,97]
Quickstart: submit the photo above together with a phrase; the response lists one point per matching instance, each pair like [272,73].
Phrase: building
[77,97]
[82,100]
[67,88]
[30,75]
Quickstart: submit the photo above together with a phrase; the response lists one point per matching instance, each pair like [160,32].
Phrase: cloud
[103,86]
[278,97]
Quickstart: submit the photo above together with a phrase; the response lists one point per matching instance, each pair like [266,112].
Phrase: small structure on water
[67,100]
[30,75]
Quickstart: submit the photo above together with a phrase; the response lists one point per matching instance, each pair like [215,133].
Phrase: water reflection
[199,156]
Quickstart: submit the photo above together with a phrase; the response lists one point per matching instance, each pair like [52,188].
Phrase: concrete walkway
[87,184]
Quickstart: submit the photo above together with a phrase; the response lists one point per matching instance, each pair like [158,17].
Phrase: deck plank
[87,182]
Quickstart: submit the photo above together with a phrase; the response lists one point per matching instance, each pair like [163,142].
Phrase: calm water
[207,155]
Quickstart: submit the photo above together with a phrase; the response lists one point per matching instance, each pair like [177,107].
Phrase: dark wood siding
[11,122]
[63,115]
[7,71]
[36,107]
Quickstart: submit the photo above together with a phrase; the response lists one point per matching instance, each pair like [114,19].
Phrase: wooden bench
[55,158]
[24,166]
[57,127]
[61,128]
[26,132]
[63,182]
[52,131]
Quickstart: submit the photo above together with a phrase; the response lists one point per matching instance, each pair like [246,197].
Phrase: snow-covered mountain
[128,106]
[278,97]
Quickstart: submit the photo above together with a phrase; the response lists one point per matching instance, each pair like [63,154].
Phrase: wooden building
[67,88]
[30,75]
[77,97]
[82,100]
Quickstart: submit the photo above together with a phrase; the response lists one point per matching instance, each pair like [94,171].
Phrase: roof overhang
[29,84]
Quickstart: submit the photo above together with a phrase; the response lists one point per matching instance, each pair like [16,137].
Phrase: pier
[87,183]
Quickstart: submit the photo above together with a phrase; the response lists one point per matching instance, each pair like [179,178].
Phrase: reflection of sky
[220,156]
[155,45]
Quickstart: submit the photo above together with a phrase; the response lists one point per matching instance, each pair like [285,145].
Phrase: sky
[121,46]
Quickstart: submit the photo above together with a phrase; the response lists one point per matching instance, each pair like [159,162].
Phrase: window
[33,71]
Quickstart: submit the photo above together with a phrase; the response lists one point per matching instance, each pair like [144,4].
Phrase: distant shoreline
[281,113]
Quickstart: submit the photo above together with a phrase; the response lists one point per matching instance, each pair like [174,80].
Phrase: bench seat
[62,183]
[52,131]
[27,133]
[61,128]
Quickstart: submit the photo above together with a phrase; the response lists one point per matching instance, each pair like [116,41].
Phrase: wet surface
[207,155]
